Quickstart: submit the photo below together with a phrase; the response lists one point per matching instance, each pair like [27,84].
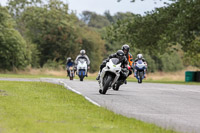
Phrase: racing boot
[98,77]
[125,82]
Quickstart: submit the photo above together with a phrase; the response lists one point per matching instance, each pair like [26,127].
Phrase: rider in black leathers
[122,58]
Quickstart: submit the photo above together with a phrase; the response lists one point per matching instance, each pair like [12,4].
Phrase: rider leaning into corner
[82,55]
[69,63]
[140,57]
[125,49]
[123,60]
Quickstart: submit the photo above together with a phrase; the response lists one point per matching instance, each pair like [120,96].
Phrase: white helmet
[139,56]
[82,52]
[69,59]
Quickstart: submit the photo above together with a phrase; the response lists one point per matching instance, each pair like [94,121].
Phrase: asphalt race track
[171,106]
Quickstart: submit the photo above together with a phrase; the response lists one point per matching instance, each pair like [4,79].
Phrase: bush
[171,62]
[54,65]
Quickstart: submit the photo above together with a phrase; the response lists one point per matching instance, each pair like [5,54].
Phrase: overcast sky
[100,6]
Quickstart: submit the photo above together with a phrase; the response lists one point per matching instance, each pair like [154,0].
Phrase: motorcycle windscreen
[140,62]
[140,65]
[115,61]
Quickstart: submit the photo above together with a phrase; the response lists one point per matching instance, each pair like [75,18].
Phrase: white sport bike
[82,68]
[109,75]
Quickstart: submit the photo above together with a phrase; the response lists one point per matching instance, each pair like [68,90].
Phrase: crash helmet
[139,56]
[125,48]
[120,55]
[69,59]
[82,52]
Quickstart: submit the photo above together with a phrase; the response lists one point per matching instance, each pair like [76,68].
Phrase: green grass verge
[36,107]
[29,76]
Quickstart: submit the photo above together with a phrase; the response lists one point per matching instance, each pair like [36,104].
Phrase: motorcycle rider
[122,58]
[125,49]
[140,57]
[82,55]
[69,63]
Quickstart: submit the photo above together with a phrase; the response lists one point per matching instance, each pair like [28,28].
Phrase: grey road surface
[170,106]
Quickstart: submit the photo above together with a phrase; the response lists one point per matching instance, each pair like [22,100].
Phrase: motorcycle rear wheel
[116,87]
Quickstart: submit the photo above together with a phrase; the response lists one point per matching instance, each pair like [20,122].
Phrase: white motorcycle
[109,75]
[82,68]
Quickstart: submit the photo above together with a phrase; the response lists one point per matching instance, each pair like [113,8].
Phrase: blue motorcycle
[140,69]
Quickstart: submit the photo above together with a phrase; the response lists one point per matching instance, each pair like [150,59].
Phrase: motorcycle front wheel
[106,85]
[81,77]
[71,78]
[140,77]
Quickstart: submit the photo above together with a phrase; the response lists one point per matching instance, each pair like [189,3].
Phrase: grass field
[36,107]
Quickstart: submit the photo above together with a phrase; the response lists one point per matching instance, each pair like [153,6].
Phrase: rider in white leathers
[82,55]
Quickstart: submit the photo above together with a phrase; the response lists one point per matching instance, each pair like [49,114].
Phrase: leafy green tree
[94,46]
[13,48]
[16,7]
[109,16]
[94,20]
[52,29]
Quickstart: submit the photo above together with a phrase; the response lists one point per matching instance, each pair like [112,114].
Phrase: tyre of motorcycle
[107,81]
[140,77]
[81,76]
[71,75]
[116,87]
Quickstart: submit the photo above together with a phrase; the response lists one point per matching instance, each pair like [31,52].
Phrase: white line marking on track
[87,98]
[90,100]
